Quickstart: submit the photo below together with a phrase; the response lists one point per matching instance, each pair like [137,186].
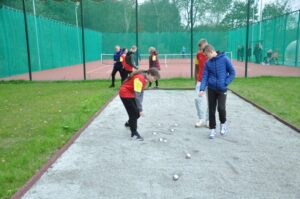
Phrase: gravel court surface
[259,158]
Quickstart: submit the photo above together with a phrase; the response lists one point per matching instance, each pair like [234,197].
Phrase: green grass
[40,117]
[37,119]
[279,95]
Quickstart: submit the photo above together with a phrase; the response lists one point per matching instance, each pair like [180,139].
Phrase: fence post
[297,43]
[247,39]
[82,35]
[27,41]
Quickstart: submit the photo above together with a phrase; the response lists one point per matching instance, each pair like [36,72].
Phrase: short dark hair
[208,48]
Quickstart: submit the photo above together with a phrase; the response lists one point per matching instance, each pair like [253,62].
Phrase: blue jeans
[201,103]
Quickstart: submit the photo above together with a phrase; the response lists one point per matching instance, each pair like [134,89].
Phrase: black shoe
[112,86]
[126,125]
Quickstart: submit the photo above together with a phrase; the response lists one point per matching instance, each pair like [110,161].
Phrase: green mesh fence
[165,42]
[55,37]
[58,44]
[13,53]
[279,35]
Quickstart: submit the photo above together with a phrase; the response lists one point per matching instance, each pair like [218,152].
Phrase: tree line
[153,15]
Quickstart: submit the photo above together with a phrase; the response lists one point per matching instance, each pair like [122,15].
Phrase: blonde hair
[151,49]
[133,48]
[208,48]
[202,41]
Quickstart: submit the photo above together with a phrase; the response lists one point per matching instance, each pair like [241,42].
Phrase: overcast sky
[294,4]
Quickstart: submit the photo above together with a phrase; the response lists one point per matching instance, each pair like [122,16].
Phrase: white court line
[100,68]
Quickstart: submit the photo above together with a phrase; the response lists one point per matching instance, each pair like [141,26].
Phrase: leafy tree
[277,8]
[159,16]
[237,15]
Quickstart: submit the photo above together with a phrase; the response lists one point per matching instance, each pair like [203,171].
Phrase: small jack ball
[188,156]
[175,177]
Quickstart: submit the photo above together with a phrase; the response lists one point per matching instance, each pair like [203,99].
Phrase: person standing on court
[218,74]
[153,63]
[117,66]
[129,63]
[200,101]
[183,51]
[242,52]
[131,94]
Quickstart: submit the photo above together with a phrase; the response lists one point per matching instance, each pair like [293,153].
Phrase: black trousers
[126,73]
[113,74]
[216,98]
[156,83]
[132,111]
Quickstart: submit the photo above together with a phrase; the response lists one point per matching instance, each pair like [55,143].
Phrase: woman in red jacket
[153,63]
[131,93]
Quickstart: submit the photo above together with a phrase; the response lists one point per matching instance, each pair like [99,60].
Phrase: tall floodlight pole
[192,37]
[247,38]
[297,41]
[252,28]
[77,4]
[36,35]
[137,31]
[27,41]
[260,19]
[82,35]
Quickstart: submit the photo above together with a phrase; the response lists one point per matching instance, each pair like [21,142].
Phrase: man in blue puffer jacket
[218,74]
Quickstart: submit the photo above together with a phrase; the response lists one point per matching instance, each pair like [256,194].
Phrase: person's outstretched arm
[133,62]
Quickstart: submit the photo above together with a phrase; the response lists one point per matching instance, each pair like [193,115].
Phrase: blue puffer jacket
[218,73]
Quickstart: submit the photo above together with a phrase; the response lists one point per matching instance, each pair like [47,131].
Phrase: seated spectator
[268,58]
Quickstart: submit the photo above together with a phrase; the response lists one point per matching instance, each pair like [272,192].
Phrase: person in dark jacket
[238,53]
[218,74]
[242,51]
[117,66]
[129,64]
[249,53]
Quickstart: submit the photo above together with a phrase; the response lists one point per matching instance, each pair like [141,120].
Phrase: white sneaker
[223,128]
[212,134]
[200,123]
